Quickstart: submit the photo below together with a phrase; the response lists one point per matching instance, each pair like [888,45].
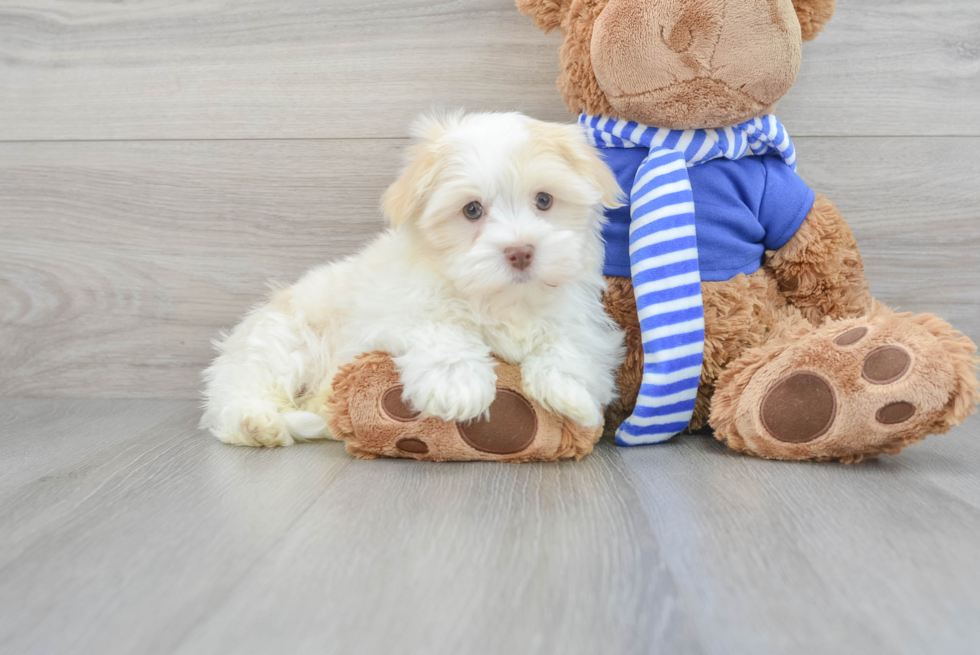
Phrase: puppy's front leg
[563,379]
[446,372]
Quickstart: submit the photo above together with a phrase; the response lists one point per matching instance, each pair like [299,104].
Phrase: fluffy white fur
[437,292]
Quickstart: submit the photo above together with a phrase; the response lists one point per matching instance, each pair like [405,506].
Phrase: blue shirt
[741,209]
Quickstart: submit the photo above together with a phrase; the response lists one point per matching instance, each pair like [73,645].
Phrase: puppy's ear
[813,15]
[406,198]
[547,14]
[585,160]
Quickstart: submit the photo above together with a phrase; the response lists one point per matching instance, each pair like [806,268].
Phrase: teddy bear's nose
[519,256]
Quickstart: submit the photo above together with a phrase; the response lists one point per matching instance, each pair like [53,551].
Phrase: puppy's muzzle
[520,257]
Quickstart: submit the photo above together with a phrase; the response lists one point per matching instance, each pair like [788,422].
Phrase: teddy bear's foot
[367,412]
[849,390]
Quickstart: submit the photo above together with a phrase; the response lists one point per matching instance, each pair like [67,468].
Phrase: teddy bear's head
[679,64]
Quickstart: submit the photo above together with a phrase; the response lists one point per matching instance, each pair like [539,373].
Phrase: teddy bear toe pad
[410,445]
[396,408]
[885,365]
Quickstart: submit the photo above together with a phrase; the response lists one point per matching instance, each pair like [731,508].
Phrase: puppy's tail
[305,425]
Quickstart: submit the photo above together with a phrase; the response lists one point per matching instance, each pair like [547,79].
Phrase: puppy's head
[501,203]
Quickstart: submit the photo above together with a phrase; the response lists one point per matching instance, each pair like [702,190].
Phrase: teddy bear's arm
[547,14]
[820,270]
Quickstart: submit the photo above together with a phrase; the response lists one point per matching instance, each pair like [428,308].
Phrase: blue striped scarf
[664,257]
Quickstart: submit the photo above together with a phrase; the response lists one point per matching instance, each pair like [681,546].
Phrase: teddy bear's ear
[813,15]
[547,14]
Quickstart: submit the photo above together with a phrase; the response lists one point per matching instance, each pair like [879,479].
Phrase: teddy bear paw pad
[510,429]
[799,408]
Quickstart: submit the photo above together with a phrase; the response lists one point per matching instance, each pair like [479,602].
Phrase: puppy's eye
[543,201]
[473,211]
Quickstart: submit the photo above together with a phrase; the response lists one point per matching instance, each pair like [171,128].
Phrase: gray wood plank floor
[124,530]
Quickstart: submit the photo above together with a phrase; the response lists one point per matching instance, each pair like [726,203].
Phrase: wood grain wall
[159,161]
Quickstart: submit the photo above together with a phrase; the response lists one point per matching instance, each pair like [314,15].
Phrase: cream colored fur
[437,292]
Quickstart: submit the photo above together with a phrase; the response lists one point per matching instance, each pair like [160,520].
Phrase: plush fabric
[695,64]
[664,256]
[757,47]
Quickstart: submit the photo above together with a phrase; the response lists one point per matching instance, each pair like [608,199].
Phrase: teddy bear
[741,291]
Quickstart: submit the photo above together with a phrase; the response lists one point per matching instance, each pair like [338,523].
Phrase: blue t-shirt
[741,209]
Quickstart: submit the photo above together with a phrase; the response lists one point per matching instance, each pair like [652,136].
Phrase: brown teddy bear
[754,314]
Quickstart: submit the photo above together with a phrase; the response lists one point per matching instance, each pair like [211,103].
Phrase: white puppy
[495,247]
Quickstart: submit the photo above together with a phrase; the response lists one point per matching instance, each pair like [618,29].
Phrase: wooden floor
[161,160]
[123,530]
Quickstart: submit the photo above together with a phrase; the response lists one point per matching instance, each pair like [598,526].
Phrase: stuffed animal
[795,359]
[742,292]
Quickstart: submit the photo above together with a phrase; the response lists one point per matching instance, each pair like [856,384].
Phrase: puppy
[495,247]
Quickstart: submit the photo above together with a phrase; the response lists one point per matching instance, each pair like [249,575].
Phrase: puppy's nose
[519,256]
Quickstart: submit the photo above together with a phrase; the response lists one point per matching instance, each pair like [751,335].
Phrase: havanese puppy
[494,249]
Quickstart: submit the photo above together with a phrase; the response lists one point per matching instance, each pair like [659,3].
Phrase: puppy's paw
[460,391]
[560,392]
